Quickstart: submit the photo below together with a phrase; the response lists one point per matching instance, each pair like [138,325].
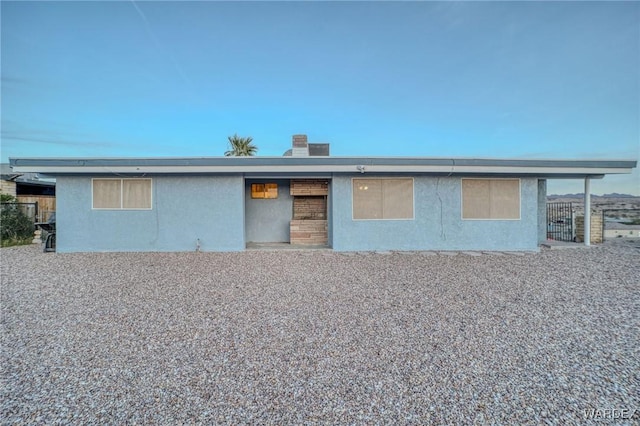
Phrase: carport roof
[322,165]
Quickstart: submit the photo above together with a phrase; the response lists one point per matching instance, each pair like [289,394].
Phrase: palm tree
[241,147]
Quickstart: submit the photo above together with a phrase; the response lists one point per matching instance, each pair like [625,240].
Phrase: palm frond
[240,147]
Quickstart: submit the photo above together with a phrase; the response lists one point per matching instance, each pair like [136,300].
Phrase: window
[382,199]
[264,190]
[491,199]
[129,194]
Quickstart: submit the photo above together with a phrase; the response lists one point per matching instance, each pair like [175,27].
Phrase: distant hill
[599,203]
[581,195]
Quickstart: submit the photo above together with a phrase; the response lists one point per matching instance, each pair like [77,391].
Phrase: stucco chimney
[300,146]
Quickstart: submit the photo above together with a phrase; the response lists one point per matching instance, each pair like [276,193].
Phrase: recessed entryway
[284,211]
[268,206]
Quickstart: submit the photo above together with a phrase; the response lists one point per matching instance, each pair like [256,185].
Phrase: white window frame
[491,178]
[122,194]
[413,198]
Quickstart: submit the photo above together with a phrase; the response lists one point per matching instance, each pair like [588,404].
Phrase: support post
[587,211]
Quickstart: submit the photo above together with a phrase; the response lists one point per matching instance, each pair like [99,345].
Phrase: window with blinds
[388,198]
[491,199]
[121,194]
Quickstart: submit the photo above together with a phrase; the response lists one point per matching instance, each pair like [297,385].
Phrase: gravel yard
[281,337]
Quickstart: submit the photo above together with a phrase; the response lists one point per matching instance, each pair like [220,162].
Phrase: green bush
[15,226]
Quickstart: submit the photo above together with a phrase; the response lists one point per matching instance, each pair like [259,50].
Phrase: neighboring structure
[29,184]
[8,180]
[620,230]
[347,203]
[29,188]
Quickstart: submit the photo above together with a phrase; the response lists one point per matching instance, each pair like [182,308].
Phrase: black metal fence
[561,222]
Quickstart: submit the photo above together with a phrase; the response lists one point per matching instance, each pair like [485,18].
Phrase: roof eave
[447,170]
[363,165]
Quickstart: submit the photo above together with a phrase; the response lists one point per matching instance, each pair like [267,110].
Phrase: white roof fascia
[324,168]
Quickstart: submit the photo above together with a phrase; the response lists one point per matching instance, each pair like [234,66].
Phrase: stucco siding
[267,220]
[218,211]
[542,211]
[437,223]
[184,209]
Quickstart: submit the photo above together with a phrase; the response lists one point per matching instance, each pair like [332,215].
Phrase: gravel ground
[299,337]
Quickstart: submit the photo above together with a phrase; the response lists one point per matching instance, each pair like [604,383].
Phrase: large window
[121,194]
[491,199]
[382,199]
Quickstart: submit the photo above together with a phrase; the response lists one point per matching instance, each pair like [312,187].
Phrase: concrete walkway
[285,246]
[562,245]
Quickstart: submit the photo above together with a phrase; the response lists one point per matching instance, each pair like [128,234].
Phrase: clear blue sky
[500,79]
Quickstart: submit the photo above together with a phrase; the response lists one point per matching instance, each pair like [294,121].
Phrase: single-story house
[345,203]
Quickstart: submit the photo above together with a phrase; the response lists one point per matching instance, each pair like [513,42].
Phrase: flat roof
[323,165]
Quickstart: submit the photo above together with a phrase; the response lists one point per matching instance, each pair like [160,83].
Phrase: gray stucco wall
[267,220]
[184,209]
[437,223]
[542,211]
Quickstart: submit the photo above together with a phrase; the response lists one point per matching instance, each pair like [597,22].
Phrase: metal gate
[560,222]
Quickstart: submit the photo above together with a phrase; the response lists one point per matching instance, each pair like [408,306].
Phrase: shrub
[15,226]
